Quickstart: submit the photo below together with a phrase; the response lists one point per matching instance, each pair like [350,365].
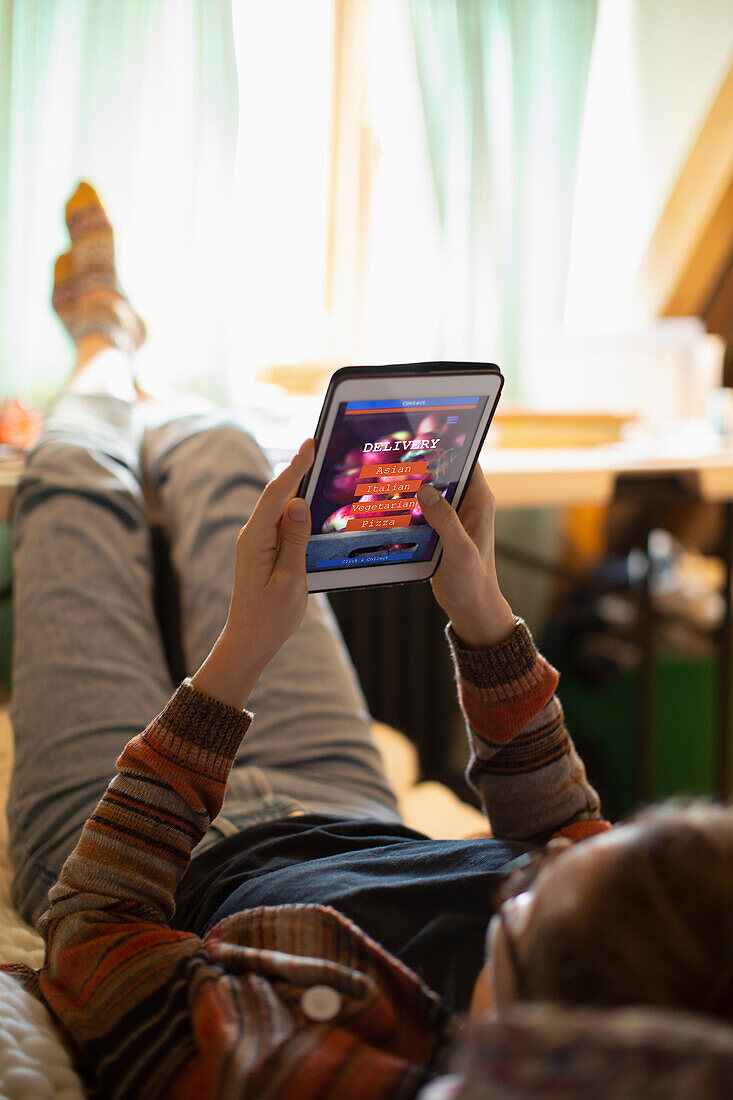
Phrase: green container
[603,721]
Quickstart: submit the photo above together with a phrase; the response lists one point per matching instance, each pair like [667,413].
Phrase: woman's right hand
[465,583]
[270,590]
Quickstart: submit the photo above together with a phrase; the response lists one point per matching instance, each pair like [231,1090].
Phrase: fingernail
[428,494]
[298,510]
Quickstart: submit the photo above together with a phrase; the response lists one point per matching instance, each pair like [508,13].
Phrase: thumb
[441,516]
[295,531]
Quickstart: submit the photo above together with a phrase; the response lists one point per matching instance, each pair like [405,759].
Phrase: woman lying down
[241,912]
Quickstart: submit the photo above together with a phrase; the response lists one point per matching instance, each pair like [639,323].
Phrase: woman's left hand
[270,591]
[465,583]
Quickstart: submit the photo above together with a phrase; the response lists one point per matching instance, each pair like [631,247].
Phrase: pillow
[545,1051]
[33,1061]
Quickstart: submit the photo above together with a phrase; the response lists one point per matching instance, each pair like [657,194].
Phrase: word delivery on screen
[403,445]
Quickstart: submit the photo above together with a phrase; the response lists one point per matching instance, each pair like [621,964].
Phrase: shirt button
[320,1003]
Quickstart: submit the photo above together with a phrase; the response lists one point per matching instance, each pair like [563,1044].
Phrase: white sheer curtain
[139,98]
[277,308]
[268,173]
[503,85]
[335,217]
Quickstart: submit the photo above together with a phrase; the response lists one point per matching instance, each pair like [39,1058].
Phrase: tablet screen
[364,510]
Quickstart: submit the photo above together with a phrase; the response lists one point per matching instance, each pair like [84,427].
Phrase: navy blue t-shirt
[426,901]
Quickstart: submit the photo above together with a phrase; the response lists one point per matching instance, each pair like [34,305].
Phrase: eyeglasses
[519,875]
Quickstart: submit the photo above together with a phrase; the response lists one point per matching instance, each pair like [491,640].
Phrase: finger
[558,844]
[279,491]
[477,495]
[442,517]
[294,534]
[477,509]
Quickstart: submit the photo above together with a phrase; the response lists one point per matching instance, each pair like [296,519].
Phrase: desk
[562,478]
[671,470]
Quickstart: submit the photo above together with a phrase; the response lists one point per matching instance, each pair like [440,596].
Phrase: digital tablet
[382,432]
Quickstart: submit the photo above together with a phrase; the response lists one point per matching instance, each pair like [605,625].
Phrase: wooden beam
[706,263]
[718,317]
[718,313]
[693,241]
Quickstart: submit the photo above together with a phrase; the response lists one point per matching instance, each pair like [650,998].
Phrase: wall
[656,69]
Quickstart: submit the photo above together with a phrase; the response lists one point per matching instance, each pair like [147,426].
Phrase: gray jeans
[89,671]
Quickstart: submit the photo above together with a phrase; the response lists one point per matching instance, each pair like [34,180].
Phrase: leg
[88,665]
[309,748]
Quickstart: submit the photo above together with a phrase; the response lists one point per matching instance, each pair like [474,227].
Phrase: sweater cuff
[503,688]
[511,668]
[216,729]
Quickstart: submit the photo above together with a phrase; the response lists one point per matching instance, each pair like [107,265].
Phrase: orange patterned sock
[64,289]
[87,294]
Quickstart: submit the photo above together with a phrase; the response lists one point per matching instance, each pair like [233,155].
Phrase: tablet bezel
[399,381]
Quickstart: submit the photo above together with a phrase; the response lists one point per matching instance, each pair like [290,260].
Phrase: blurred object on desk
[514,426]
[298,377]
[720,411]
[20,424]
[663,371]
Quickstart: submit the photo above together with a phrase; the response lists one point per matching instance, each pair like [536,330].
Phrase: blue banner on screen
[423,404]
[365,559]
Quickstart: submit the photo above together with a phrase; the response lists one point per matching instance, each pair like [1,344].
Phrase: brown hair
[654,926]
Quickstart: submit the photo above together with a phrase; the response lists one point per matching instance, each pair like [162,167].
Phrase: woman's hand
[465,583]
[270,591]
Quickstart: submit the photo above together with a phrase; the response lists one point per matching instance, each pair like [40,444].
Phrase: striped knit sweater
[156,1013]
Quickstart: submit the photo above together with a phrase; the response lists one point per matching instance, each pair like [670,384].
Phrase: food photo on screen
[365,509]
